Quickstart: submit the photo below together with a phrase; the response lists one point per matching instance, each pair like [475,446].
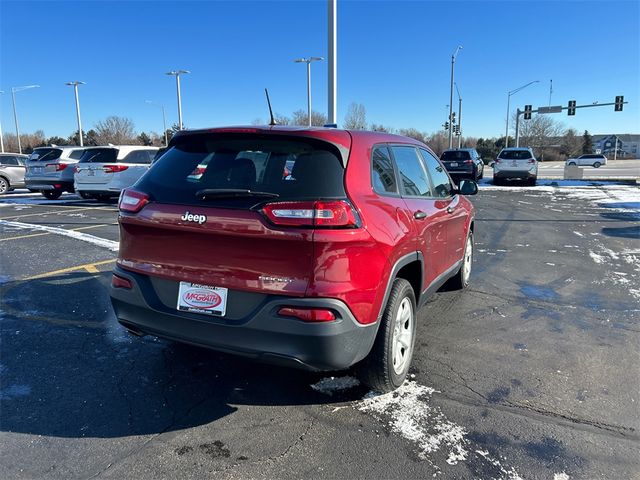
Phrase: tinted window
[291,168]
[9,161]
[411,171]
[76,154]
[441,184]
[139,156]
[455,155]
[382,174]
[45,154]
[99,155]
[515,154]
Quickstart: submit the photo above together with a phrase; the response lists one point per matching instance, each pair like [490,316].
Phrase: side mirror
[468,187]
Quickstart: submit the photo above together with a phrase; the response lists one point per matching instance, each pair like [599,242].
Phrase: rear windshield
[99,155]
[45,154]
[289,168]
[515,154]
[455,155]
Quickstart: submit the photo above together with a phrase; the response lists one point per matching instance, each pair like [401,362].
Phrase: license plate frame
[202,299]
[453,164]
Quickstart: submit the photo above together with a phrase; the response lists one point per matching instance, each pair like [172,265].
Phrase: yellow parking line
[18,237]
[89,267]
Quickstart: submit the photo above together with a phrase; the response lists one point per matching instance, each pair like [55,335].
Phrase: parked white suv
[588,160]
[515,163]
[103,172]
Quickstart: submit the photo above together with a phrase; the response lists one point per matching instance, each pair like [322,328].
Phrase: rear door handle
[419,215]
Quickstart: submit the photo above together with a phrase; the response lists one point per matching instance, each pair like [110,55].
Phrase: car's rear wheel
[85,195]
[51,194]
[572,164]
[532,181]
[597,165]
[461,279]
[4,185]
[386,367]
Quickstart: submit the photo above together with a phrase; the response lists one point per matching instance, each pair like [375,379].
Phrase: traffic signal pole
[558,109]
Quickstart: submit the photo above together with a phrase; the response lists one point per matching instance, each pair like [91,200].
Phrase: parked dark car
[310,248]
[463,163]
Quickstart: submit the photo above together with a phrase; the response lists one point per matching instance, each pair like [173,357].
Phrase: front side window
[382,174]
[441,184]
[413,176]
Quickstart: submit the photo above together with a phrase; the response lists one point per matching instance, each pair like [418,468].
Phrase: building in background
[628,145]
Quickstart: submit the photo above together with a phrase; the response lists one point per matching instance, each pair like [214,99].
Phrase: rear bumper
[98,189]
[49,185]
[262,334]
[523,174]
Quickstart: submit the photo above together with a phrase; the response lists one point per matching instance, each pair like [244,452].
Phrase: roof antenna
[273,120]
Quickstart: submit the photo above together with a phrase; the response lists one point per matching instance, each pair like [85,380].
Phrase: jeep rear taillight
[322,213]
[308,314]
[57,166]
[132,201]
[114,168]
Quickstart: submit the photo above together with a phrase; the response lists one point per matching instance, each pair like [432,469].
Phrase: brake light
[76,169]
[308,314]
[331,213]
[132,201]
[531,160]
[114,168]
[58,166]
[497,160]
[468,161]
[119,282]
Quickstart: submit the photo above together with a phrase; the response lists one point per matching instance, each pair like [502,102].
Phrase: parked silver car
[50,170]
[12,168]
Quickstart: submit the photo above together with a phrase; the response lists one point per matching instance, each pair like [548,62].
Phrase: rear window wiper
[207,193]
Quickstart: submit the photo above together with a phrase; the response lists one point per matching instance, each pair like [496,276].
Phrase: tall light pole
[75,89]
[1,139]
[164,120]
[459,117]
[506,131]
[308,62]
[332,52]
[15,113]
[177,73]
[453,61]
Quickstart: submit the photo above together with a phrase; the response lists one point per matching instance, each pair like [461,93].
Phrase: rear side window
[412,173]
[441,185]
[45,154]
[99,155]
[382,175]
[9,161]
[139,156]
[515,155]
[76,154]
[453,155]
[286,168]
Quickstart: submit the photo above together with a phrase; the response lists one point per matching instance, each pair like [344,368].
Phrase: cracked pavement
[537,361]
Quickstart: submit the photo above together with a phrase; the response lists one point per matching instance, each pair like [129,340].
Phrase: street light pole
[75,88]
[308,62]
[15,113]
[506,131]
[1,138]
[459,117]
[332,52]
[164,120]
[177,73]
[453,61]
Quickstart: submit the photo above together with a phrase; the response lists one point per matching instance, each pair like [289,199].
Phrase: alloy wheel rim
[468,257]
[402,336]
[3,186]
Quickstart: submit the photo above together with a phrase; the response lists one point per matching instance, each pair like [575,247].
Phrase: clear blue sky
[393,57]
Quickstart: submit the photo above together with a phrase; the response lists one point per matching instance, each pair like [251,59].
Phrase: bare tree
[356,117]
[539,133]
[378,127]
[300,117]
[115,130]
[29,141]
[438,141]
[413,133]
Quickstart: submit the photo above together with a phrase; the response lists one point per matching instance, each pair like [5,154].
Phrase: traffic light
[527,112]
[571,109]
[457,129]
[446,125]
[619,103]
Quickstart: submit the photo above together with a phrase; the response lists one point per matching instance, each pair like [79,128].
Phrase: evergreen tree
[587,143]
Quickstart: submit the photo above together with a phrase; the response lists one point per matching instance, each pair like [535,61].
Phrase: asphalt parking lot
[531,373]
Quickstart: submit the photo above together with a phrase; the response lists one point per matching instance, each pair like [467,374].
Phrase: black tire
[497,181]
[102,198]
[571,164]
[377,371]
[532,181]
[51,194]
[85,195]
[461,279]
[5,186]
[596,165]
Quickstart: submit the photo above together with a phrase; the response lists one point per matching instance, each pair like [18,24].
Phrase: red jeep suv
[307,247]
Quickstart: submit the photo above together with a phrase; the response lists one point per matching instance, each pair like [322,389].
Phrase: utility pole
[332,54]
[453,61]
[615,149]
[15,112]
[1,139]
[506,131]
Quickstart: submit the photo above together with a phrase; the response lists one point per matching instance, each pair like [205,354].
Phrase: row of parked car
[92,172]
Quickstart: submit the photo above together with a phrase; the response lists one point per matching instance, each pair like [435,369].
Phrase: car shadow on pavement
[68,369]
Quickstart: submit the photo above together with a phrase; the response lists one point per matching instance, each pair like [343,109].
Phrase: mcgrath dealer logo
[199,298]
[190,217]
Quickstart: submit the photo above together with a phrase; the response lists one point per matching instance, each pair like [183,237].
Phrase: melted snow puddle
[407,412]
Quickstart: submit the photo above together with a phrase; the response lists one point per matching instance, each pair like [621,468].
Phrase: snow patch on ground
[596,258]
[510,474]
[85,237]
[560,476]
[331,385]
